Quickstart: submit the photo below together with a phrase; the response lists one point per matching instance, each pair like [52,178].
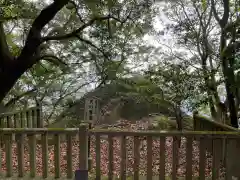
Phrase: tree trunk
[210,89]
[229,85]
[11,68]
[9,75]
[178,115]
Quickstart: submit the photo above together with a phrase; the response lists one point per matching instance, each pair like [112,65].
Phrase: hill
[124,100]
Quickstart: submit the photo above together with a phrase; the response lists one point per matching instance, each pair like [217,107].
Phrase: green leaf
[204,4]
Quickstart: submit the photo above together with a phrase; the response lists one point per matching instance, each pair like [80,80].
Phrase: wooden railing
[28,118]
[160,147]
[204,124]
[27,143]
[161,138]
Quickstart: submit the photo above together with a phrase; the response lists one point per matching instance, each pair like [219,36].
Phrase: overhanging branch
[18,97]
[222,21]
[80,29]
[34,36]
[52,59]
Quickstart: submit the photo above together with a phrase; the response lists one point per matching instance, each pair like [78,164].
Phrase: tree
[229,25]
[197,32]
[49,27]
[178,84]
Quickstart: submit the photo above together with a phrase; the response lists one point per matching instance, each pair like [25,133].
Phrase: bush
[160,123]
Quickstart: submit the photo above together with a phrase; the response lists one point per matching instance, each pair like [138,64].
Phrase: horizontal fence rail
[116,154]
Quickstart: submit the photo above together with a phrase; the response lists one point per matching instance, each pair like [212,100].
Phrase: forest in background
[54,52]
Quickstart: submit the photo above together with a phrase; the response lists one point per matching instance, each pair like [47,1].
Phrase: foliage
[82,43]
[86,43]
[197,28]
[160,123]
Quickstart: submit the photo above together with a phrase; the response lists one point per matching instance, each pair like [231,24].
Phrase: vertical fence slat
[136,158]
[28,119]
[32,147]
[98,158]
[1,122]
[1,141]
[123,158]
[214,165]
[12,121]
[215,159]
[174,157]
[162,157]
[202,158]
[189,156]
[69,156]
[39,117]
[15,121]
[5,122]
[10,124]
[20,154]
[44,138]
[226,162]
[110,157]
[22,120]
[57,155]
[149,158]
[8,144]
[34,125]
[1,149]
[83,148]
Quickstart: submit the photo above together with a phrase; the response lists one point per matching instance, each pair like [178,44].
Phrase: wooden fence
[28,118]
[228,151]
[199,138]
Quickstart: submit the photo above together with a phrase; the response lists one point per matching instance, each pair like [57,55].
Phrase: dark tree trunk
[178,115]
[8,77]
[12,68]
[229,83]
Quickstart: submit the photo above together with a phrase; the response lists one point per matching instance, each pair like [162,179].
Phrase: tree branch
[34,36]
[76,9]
[93,45]
[18,97]
[5,53]
[225,17]
[12,18]
[215,12]
[223,21]
[80,29]
[52,59]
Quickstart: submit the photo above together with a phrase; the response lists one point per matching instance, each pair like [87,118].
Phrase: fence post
[195,123]
[39,116]
[82,172]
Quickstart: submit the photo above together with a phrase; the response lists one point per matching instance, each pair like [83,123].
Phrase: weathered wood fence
[28,118]
[228,150]
[83,133]
[30,134]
